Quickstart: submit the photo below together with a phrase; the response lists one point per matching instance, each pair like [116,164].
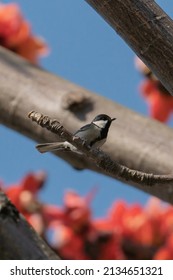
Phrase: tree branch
[18,240]
[146,28]
[102,160]
[134,141]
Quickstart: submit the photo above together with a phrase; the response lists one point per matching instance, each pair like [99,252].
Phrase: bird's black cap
[103,117]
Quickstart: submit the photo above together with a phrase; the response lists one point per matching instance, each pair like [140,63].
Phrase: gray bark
[146,28]
[133,141]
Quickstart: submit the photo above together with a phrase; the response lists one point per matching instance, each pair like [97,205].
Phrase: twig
[102,160]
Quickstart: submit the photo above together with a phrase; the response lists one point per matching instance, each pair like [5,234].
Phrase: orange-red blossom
[16,35]
[127,232]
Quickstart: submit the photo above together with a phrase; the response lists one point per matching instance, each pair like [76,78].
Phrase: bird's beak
[113,119]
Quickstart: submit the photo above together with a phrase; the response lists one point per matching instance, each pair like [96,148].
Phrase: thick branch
[133,141]
[146,28]
[17,239]
[103,161]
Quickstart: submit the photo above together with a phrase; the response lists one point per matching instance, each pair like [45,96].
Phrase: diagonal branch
[146,28]
[102,160]
[134,141]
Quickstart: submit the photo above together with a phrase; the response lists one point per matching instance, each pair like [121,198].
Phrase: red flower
[25,192]
[24,197]
[159,100]
[160,103]
[128,232]
[76,236]
[135,223]
[52,215]
[15,34]
[31,48]
[11,25]
[166,251]
[76,210]
[68,244]
[108,240]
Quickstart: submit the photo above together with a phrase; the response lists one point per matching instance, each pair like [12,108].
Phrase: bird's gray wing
[82,129]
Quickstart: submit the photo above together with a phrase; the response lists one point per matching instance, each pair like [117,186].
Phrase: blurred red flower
[127,232]
[166,251]
[160,103]
[143,230]
[24,197]
[77,236]
[159,100]
[16,35]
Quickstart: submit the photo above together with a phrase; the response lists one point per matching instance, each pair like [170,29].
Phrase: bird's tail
[50,147]
[57,146]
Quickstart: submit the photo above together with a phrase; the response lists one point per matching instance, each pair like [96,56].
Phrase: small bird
[93,134]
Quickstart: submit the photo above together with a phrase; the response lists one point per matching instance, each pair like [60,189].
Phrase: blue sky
[88,52]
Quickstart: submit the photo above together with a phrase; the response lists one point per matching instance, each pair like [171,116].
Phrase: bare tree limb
[18,241]
[146,28]
[133,141]
[103,161]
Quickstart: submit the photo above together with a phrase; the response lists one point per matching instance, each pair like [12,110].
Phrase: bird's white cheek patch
[100,123]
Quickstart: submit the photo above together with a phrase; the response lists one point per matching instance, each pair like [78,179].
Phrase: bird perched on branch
[93,134]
